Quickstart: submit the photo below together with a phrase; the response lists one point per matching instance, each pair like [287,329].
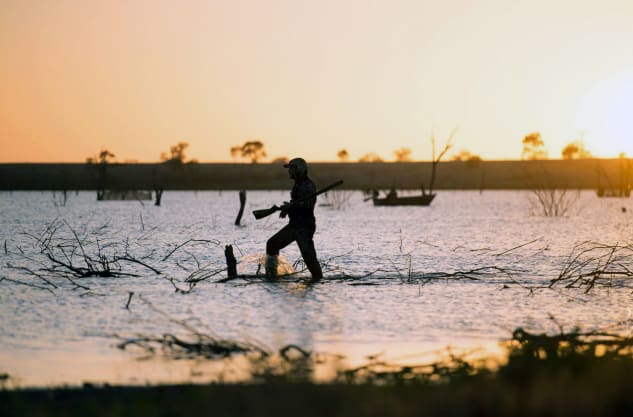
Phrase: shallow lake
[402,281]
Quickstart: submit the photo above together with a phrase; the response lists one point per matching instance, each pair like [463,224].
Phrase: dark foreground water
[399,281]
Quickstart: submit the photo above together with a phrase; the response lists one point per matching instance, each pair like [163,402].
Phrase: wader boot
[271,266]
[315,269]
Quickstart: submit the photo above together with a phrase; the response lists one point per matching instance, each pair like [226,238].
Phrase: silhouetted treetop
[370,157]
[177,154]
[343,155]
[465,155]
[533,147]
[575,150]
[280,160]
[253,150]
[104,157]
[403,155]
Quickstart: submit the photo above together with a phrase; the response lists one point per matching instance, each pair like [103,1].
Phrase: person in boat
[301,225]
[393,194]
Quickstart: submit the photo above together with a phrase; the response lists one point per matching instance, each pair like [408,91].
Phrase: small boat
[392,199]
[423,199]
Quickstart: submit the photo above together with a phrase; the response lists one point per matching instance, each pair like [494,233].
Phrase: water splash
[259,261]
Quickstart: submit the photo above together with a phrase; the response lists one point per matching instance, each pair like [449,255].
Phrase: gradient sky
[311,77]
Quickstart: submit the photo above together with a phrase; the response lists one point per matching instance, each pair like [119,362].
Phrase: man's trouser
[302,234]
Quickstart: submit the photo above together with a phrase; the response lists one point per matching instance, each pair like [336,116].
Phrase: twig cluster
[528,354]
[553,202]
[62,255]
[71,257]
[549,199]
[337,199]
[592,264]
[375,371]
[566,345]
[195,345]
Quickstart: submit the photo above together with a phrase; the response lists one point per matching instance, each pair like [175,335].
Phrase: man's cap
[297,162]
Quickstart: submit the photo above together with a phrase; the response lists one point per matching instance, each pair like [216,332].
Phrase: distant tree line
[534,148]
[254,152]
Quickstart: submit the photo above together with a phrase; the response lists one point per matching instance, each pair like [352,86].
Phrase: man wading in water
[302,223]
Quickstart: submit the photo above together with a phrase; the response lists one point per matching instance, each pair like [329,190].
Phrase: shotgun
[260,214]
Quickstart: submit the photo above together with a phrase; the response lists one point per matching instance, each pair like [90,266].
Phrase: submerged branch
[214,242]
[505,252]
[15,281]
[33,273]
[192,345]
[592,264]
[134,260]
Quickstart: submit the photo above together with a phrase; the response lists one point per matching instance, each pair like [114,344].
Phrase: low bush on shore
[568,374]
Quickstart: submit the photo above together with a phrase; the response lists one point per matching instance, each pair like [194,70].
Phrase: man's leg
[278,241]
[308,253]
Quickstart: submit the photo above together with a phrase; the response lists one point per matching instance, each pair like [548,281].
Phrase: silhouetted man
[302,224]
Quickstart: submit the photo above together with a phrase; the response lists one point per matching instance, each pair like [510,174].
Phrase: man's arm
[304,190]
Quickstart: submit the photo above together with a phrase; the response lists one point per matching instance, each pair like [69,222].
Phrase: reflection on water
[64,336]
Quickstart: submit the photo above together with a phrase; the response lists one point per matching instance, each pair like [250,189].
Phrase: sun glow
[606,117]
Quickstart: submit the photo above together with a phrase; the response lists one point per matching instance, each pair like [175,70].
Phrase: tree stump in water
[231,262]
[159,195]
[242,203]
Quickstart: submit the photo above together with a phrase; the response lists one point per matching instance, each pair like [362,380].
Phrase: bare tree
[440,156]
[551,200]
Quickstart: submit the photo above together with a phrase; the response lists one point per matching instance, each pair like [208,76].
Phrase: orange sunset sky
[311,77]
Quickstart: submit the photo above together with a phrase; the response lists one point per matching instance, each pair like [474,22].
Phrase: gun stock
[260,214]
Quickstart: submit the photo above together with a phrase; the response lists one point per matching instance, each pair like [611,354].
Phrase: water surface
[63,336]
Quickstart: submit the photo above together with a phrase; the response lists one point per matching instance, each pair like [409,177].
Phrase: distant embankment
[585,174]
